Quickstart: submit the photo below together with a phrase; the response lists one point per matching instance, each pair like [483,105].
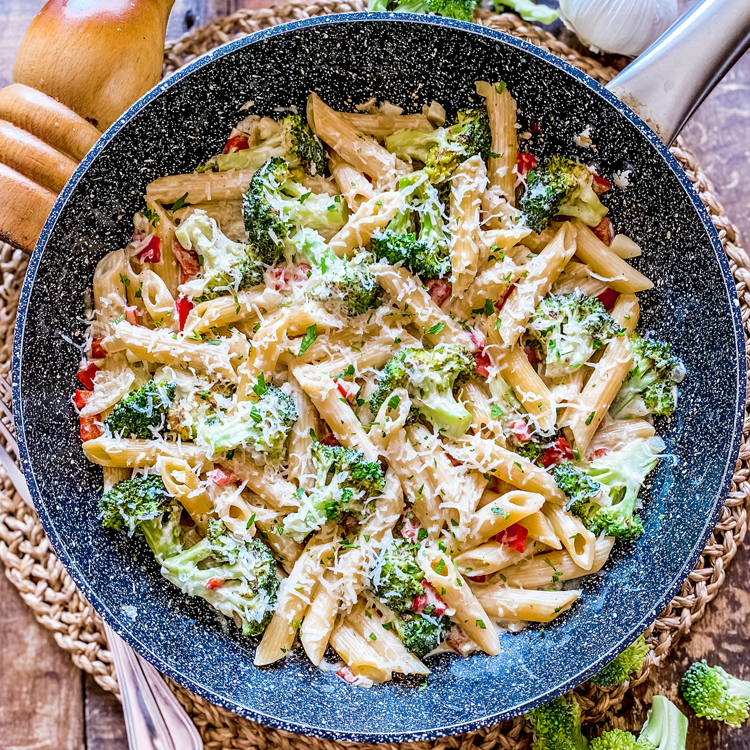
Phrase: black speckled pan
[408,60]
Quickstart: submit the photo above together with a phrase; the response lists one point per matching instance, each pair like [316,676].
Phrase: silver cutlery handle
[674,75]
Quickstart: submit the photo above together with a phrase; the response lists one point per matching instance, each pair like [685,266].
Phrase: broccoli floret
[345,483]
[560,186]
[275,206]
[557,725]
[236,577]
[715,694]
[528,10]
[426,252]
[622,472]
[420,634]
[293,141]
[226,266]
[443,149]
[397,578]
[461,9]
[141,504]
[623,666]
[433,378]
[262,426]
[665,728]
[570,329]
[578,486]
[651,386]
[616,739]
[347,285]
[143,413]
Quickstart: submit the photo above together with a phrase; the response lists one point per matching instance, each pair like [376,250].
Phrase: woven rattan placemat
[35,571]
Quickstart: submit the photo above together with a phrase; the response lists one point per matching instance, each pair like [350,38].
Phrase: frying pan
[408,60]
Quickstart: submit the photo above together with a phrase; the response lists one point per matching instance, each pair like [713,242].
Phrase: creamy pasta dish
[370,382]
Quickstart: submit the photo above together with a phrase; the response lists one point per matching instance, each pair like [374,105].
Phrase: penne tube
[573,535]
[140,454]
[487,559]
[477,402]
[301,467]
[354,186]
[373,355]
[168,268]
[624,247]
[616,434]
[318,623]
[505,603]
[577,276]
[182,483]
[380,126]
[110,294]
[157,299]
[275,491]
[284,548]
[359,654]
[219,312]
[540,528]
[491,284]
[200,187]
[113,476]
[372,216]
[502,512]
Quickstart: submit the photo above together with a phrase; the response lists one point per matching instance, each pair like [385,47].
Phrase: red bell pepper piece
[514,537]
[236,143]
[560,450]
[152,252]
[91,427]
[86,371]
[183,306]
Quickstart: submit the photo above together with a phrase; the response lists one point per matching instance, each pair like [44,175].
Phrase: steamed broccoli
[557,725]
[275,206]
[236,577]
[651,386]
[433,379]
[570,329]
[616,739]
[623,666]
[560,186]
[461,9]
[426,252]
[397,577]
[528,10]
[578,486]
[715,694]
[226,266]
[442,150]
[143,413]
[345,483]
[292,140]
[622,472]
[421,634]
[262,426]
[344,284]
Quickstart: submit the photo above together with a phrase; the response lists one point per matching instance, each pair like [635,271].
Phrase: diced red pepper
[558,451]
[86,371]
[410,529]
[214,583]
[343,388]
[520,429]
[514,537]
[532,355]
[478,579]
[430,598]
[330,440]
[188,260]
[439,290]
[222,477]
[131,315]
[477,339]
[183,306]
[236,143]
[525,163]
[97,349]
[604,231]
[91,427]
[608,298]
[482,364]
[599,452]
[152,252]
[600,185]
[81,398]
[346,674]
[499,304]
[285,277]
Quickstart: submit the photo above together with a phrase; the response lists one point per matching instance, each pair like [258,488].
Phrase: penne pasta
[509,604]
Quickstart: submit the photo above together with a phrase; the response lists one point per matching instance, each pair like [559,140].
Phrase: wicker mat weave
[35,571]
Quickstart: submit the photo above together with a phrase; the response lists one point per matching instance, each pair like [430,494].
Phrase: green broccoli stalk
[570,329]
[651,386]
[143,413]
[226,266]
[345,483]
[623,666]
[426,252]
[142,505]
[238,578]
[396,577]
[262,426]
[617,739]
[557,725]
[443,149]
[433,379]
[528,10]
[293,141]
[578,486]
[560,186]
[461,9]
[715,694]
[275,207]
[346,285]
[421,634]
[622,473]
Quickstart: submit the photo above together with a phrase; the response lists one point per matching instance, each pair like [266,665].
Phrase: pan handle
[674,75]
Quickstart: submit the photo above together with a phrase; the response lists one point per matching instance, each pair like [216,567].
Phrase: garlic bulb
[622,27]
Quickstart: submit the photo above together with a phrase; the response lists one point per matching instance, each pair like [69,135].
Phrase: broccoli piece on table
[275,206]
[262,426]
[623,666]
[443,149]
[293,141]
[560,186]
[397,578]
[421,634]
[616,739]
[238,578]
[226,266]
[347,285]
[142,504]
[715,694]
[433,378]
[651,386]
[426,252]
[622,472]
[570,329]
[461,9]
[143,413]
[528,10]
[557,725]
[345,483]
[578,486]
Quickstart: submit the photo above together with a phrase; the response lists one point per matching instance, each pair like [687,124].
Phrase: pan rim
[121,626]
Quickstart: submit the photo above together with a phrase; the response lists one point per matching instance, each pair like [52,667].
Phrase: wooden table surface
[46,702]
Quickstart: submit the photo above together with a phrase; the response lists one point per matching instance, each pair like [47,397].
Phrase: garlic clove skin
[620,27]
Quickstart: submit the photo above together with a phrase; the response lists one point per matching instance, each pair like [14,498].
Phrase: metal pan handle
[674,75]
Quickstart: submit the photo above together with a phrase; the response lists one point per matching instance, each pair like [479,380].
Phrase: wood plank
[105,727]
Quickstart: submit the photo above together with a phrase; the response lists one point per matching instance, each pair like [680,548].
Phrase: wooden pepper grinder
[81,64]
